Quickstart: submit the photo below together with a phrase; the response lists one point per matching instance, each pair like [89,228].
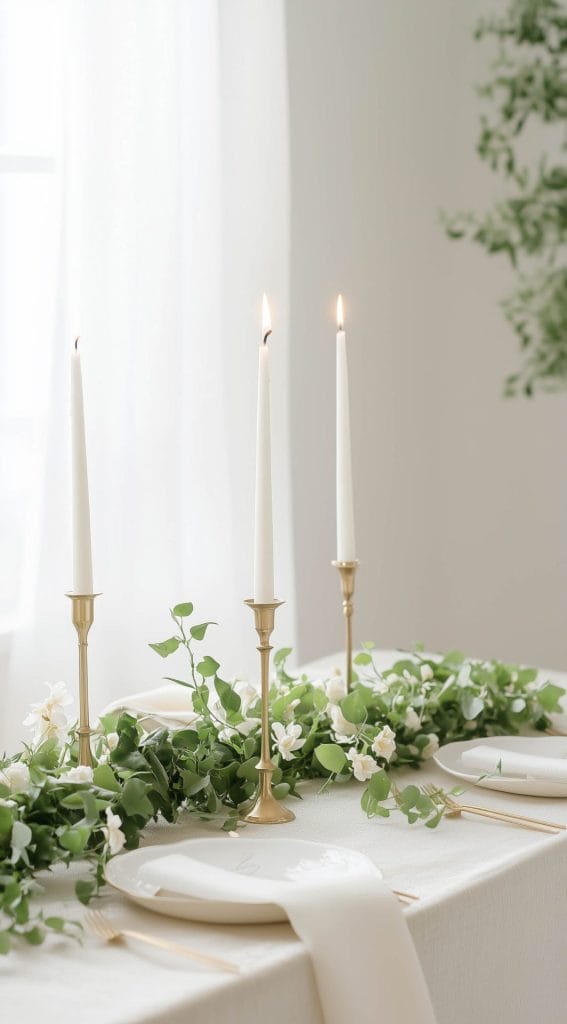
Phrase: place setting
[315,886]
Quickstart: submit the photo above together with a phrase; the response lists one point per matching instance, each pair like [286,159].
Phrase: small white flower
[384,743]
[16,777]
[82,773]
[426,673]
[226,734]
[344,731]
[112,740]
[287,738]
[289,711]
[48,718]
[113,833]
[7,803]
[335,688]
[247,726]
[6,921]
[380,685]
[363,765]
[411,720]
[248,695]
[432,746]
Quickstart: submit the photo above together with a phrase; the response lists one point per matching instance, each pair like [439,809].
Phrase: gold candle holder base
[83,618]
[347,572]
[266,810]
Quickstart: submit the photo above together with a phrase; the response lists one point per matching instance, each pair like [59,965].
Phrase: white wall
[461,495]
[255,244]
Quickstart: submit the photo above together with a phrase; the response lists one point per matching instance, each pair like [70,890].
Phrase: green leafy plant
[528,87]
[54,812]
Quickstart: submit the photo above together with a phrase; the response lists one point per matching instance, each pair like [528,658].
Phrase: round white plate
[449,758]
[280,859]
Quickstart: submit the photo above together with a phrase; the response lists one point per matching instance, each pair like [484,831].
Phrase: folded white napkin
[363,956]
[484,759]
[169,706]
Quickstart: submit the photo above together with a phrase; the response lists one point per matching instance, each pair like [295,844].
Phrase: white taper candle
[263,534]
[82,557]
[346,548]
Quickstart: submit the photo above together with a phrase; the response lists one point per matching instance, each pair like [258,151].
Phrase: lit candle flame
[266,319]
[340,314]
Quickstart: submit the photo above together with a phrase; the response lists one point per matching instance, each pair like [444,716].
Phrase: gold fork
[453,808]
[405,897]
[401,895]
[102,927]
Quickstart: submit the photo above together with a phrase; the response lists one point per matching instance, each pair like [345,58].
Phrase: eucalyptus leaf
[362,658]
[166,647]
[549,696]
[75,839]
[208,667]
[379,785]
[281,655]
[198,632]
[227,695]
[104,777]
[183,611]
[353,708]
[134,798]
[331,756]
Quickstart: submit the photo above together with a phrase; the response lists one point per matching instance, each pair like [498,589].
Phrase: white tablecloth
[490,928]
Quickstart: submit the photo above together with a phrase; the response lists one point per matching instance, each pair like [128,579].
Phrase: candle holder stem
[347,571]
[83,618]
[266,810]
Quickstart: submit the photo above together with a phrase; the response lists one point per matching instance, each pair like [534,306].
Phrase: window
[29,244]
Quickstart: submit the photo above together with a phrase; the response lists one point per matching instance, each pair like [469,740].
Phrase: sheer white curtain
[167,175]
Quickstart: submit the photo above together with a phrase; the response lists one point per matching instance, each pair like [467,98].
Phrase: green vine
[53,811]
[528,86]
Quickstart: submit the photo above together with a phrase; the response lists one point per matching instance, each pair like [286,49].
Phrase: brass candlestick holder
[83,617]
[347,572]
[266,809]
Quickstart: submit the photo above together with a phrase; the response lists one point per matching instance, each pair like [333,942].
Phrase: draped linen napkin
[363,957]
[513,763]
[170,706]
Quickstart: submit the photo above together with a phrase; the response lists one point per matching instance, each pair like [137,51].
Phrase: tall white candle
[82,558]
[346,549]
[263,533]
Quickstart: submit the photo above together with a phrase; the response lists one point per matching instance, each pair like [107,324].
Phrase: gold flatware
[404,897]
[102,927]
[454,808]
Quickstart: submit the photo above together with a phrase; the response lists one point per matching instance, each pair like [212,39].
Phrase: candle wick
[267,335]
[76,343]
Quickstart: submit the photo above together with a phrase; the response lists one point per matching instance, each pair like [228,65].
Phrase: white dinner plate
[449,758]
[278,859]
